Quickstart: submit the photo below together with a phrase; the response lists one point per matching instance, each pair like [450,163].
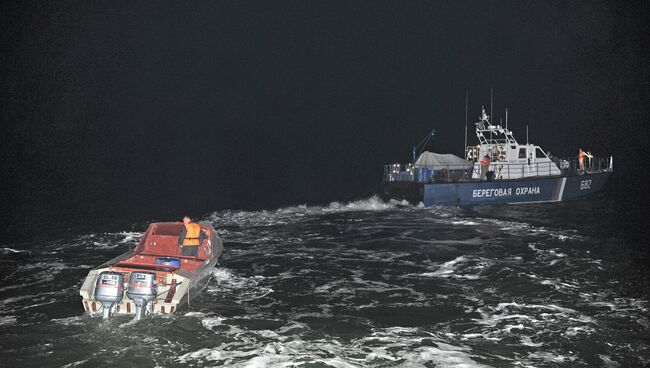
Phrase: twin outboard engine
[142,289]
[109,290]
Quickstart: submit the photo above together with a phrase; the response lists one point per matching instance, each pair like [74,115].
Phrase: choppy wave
[349,284]
[294,214]
[11,251]
[407,347]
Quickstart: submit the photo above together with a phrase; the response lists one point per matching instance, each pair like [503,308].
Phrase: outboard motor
[142,289]
[109,290]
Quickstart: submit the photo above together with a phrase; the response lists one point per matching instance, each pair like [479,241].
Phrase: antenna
[526,134]
[506,118]
[491,103]
[466,94]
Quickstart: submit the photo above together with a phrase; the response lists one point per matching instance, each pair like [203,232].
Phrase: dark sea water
[359,284]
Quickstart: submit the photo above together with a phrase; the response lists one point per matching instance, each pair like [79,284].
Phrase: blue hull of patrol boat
[549,189]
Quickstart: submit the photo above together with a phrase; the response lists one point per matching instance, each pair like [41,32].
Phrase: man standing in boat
[485,165]
[190,238]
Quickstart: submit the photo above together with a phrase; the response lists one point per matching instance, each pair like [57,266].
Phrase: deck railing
[593,165]
[456,173]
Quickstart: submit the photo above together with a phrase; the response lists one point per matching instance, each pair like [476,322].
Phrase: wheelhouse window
[539,153]
[522,153]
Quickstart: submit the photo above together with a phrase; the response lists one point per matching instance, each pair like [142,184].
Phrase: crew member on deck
[581,158]
[190,238]
[485,165]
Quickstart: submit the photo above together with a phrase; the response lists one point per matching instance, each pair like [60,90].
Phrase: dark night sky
[142,110]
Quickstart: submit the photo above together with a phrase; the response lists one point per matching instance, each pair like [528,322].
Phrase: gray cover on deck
[429,159]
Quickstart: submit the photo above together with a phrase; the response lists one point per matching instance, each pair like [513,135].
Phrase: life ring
[501,152]
[471,154]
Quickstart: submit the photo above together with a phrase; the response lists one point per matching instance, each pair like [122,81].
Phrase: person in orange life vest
[581,158]
[485,164]
[190,237]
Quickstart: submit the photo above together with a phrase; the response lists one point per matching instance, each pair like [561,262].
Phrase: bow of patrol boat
[154,277]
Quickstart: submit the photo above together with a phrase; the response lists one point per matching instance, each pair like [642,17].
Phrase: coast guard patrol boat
[517,173]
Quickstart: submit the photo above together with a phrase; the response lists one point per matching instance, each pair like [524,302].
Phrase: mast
[465,147]
[491,102]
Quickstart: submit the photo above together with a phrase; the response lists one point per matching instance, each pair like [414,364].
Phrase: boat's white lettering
[504,192]
[585,184]
[492,192]
[527,190]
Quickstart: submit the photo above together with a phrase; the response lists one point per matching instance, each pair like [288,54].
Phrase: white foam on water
[532,323]
[131,322]
[72,321]
[222,274]
[334,362]
[521,229]
[566,235]
[404,346]
[533,246]
[579,330]
[551,357]
[36,274]
[129,236]
[461,267]
[7,250]
[201,354]
[211,322]
[7,320]
[103,241]
[258,362]
[292,326]
[550,255]
[296,214]
[75,364]
[446,355]
[373,203]
[20,298]
[402,343]
[465,223]
[552,307]
[527,341]
[348,291]
[195,314]
[608,361]
[470,336]
[561,286]
[51,266]
[43,279]
[243,289]
[529,325]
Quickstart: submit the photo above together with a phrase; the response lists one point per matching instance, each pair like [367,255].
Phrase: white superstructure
[508,158]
